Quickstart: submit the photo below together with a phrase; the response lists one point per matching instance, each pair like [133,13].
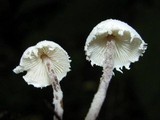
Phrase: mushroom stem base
[99,97]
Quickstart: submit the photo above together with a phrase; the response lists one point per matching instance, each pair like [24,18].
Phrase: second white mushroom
[111,44]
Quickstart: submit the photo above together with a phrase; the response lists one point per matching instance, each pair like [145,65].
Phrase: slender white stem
[57,101]
[104,82]
[57,93]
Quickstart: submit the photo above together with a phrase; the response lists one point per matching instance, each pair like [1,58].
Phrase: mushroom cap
[128,43]
[32,61]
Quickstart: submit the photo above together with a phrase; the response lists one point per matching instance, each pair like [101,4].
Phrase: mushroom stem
[57,94]
[99,97]
[57,101]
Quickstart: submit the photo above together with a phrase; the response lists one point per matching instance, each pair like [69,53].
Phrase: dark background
[133,95]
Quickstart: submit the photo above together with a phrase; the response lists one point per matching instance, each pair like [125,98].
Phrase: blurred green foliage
[133,95]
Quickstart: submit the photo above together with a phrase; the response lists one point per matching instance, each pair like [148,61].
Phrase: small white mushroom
[111,44]
[34,61]
[46,63]
[128,43]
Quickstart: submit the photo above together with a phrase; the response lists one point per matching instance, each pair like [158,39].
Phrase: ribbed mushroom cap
[33,61]
[128,43]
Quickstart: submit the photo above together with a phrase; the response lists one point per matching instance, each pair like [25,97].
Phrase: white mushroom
[34,61]
[111,44]
[46,63]
[128,43]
